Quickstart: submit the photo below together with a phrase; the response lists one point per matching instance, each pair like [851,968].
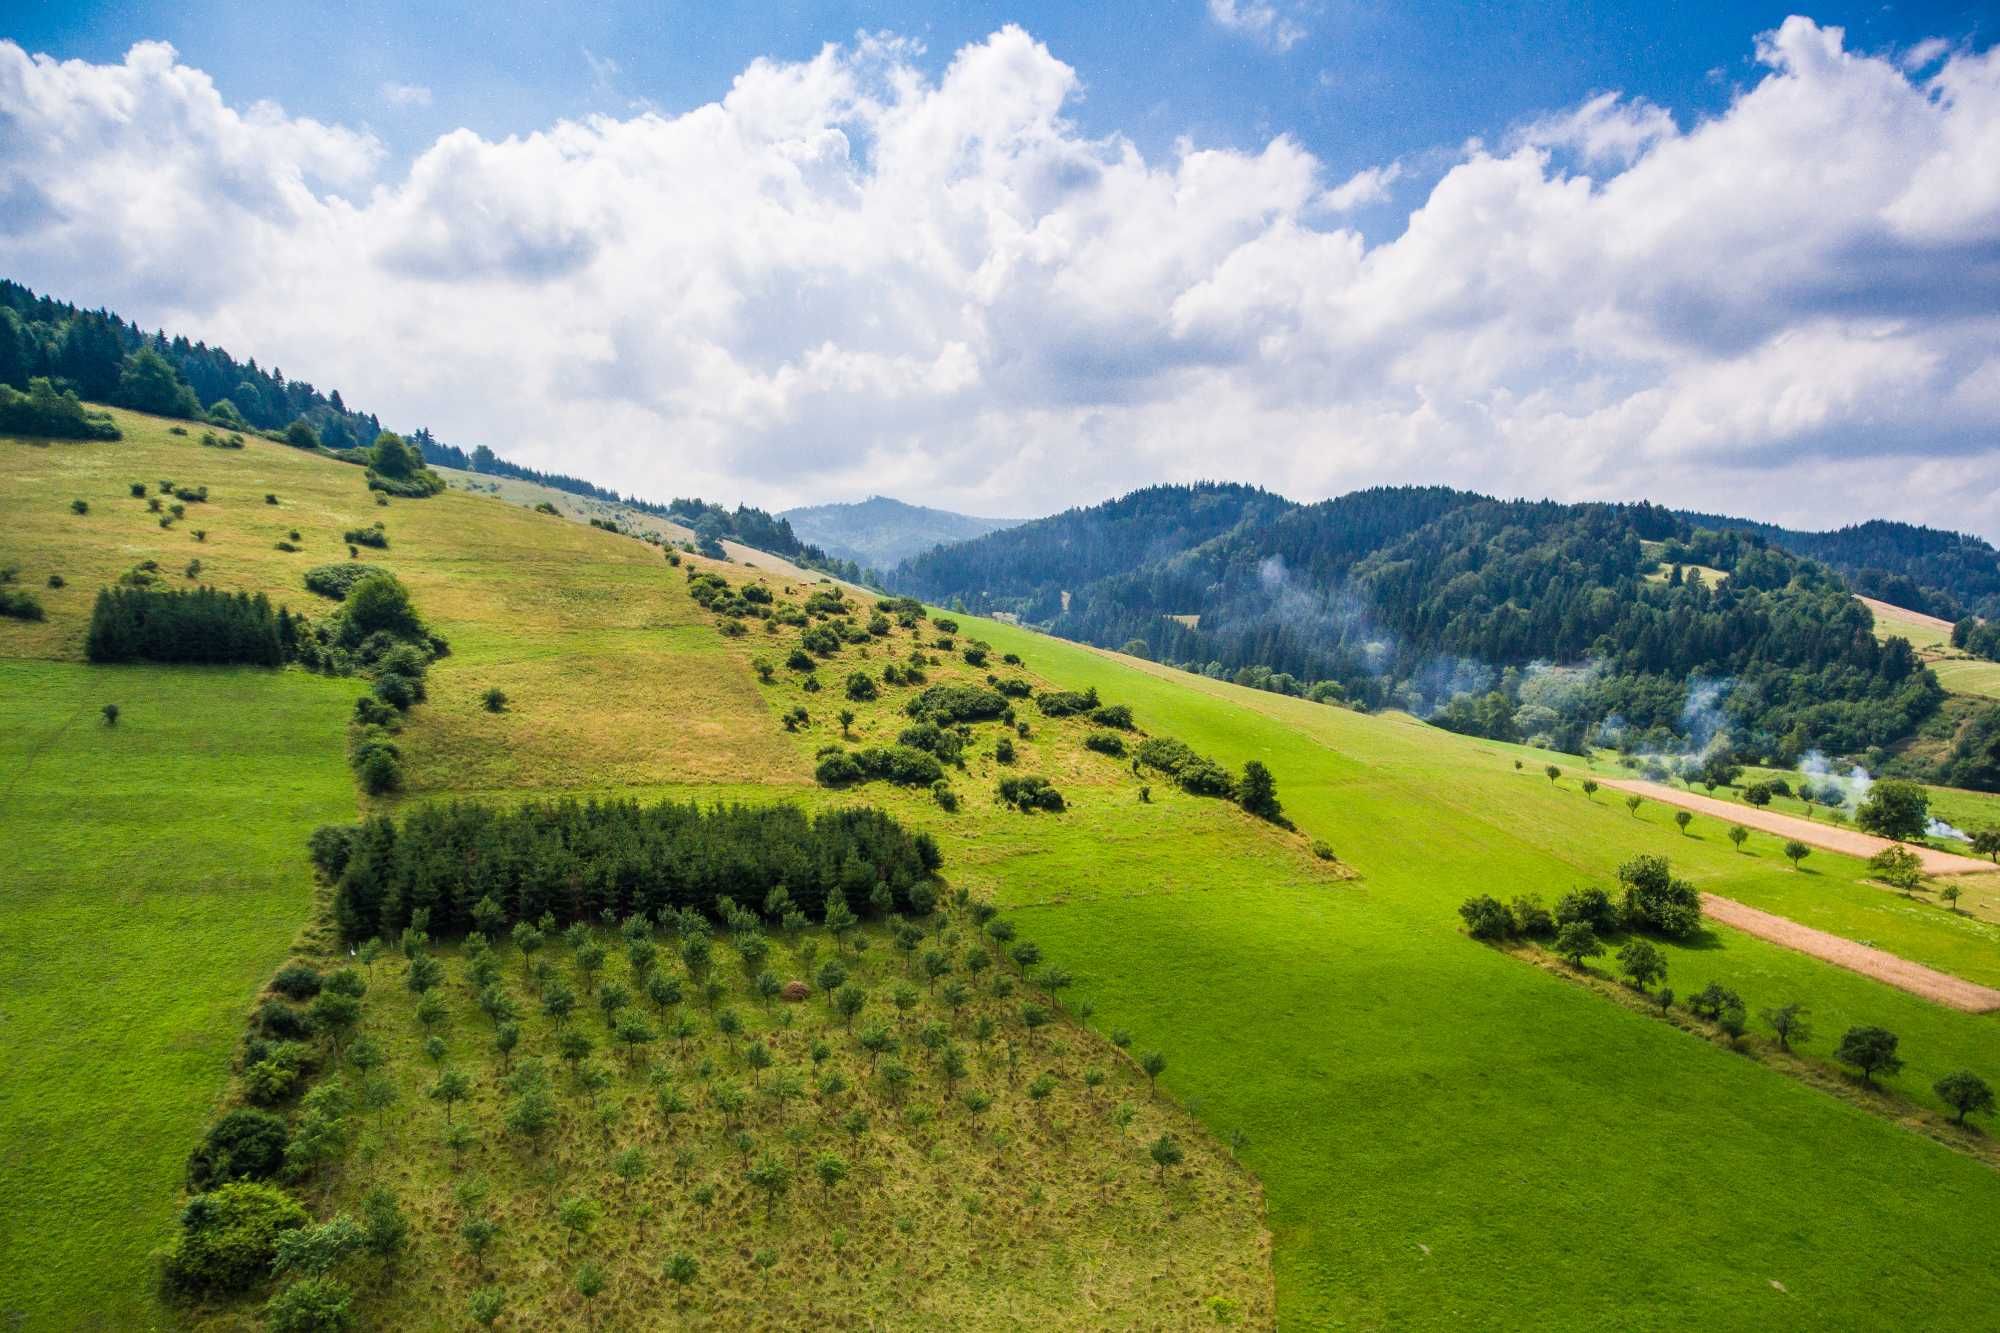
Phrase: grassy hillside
[153,881]
[1444,1134]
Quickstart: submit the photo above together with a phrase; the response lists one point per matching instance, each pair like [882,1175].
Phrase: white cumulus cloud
[849,276]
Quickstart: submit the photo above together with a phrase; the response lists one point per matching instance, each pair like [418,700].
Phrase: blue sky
[1011,259]
[1357,83]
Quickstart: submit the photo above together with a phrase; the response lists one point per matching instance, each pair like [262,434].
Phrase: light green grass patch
[155,875]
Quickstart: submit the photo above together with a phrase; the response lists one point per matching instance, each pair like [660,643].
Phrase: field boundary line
[1876,964]
[1828,836]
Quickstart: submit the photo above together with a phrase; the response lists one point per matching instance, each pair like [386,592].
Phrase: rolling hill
[1434,1132]
[1515,620]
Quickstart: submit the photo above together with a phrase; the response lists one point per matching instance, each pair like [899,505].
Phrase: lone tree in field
[1633,802]
[1165,1153]
[1871,1050]
[1986,842]
[1590,788]
[1552,773]
[1966,1093]
[1643,962]
[1895,809]
[1789,1022]
[1898,867]
[111,715]
[1796,851]
[1739,835]
[1683,818]
[1950,895]
[1155,1064]
[1577,941]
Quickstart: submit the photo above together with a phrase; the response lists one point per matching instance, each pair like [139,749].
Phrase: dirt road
[1812,832]
[1931,984]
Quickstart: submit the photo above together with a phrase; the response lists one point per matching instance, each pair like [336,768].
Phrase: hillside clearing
[1869,962]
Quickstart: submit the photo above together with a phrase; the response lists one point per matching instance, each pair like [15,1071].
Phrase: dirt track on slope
[1928,982]
[1814,833]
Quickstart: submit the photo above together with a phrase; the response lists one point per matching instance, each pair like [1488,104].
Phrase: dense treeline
[580,861]
[197,625]
[1946,574]
[105,359]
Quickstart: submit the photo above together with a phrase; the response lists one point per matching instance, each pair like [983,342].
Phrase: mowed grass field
[1445,1134]
[153,878]
[1931,637]
[1448,1136]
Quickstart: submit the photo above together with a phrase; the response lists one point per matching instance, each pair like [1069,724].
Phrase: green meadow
[1445,1134]
[153,880]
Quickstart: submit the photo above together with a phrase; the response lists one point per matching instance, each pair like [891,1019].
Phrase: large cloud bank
[847,276]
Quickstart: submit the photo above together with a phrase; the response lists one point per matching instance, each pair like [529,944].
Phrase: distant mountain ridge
[881,532]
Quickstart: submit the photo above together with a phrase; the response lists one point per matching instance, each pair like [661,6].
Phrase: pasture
[1444,1133]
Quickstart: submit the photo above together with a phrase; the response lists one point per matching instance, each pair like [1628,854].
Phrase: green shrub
[1030,793]
[1113,715]
[228,1236]
[297,981]
[1105,742]
[372,535]
[311,1305]
[17,604]
[1066,703]
[945,704]
[1592,907]
[380,771]
[336,581]
[245,1144]
[1486,917]
[861,687]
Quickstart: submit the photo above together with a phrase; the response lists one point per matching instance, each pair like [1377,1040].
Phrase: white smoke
[1851,786]
[1937,828]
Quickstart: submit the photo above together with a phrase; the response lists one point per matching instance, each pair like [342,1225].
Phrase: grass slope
[1445,1134]
[153,879]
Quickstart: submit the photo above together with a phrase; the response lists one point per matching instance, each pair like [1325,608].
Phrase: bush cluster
[1030,793]
[1066,703]
[336,581]
[947,704]
[904,765]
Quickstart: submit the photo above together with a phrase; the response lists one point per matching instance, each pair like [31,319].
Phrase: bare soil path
[1812,832]
[1928,982]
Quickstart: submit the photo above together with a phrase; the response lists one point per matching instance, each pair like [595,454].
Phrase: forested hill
[881,532]
[86,350]
[1947,574]
[1512,619]
[1025,570]
[94,353]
